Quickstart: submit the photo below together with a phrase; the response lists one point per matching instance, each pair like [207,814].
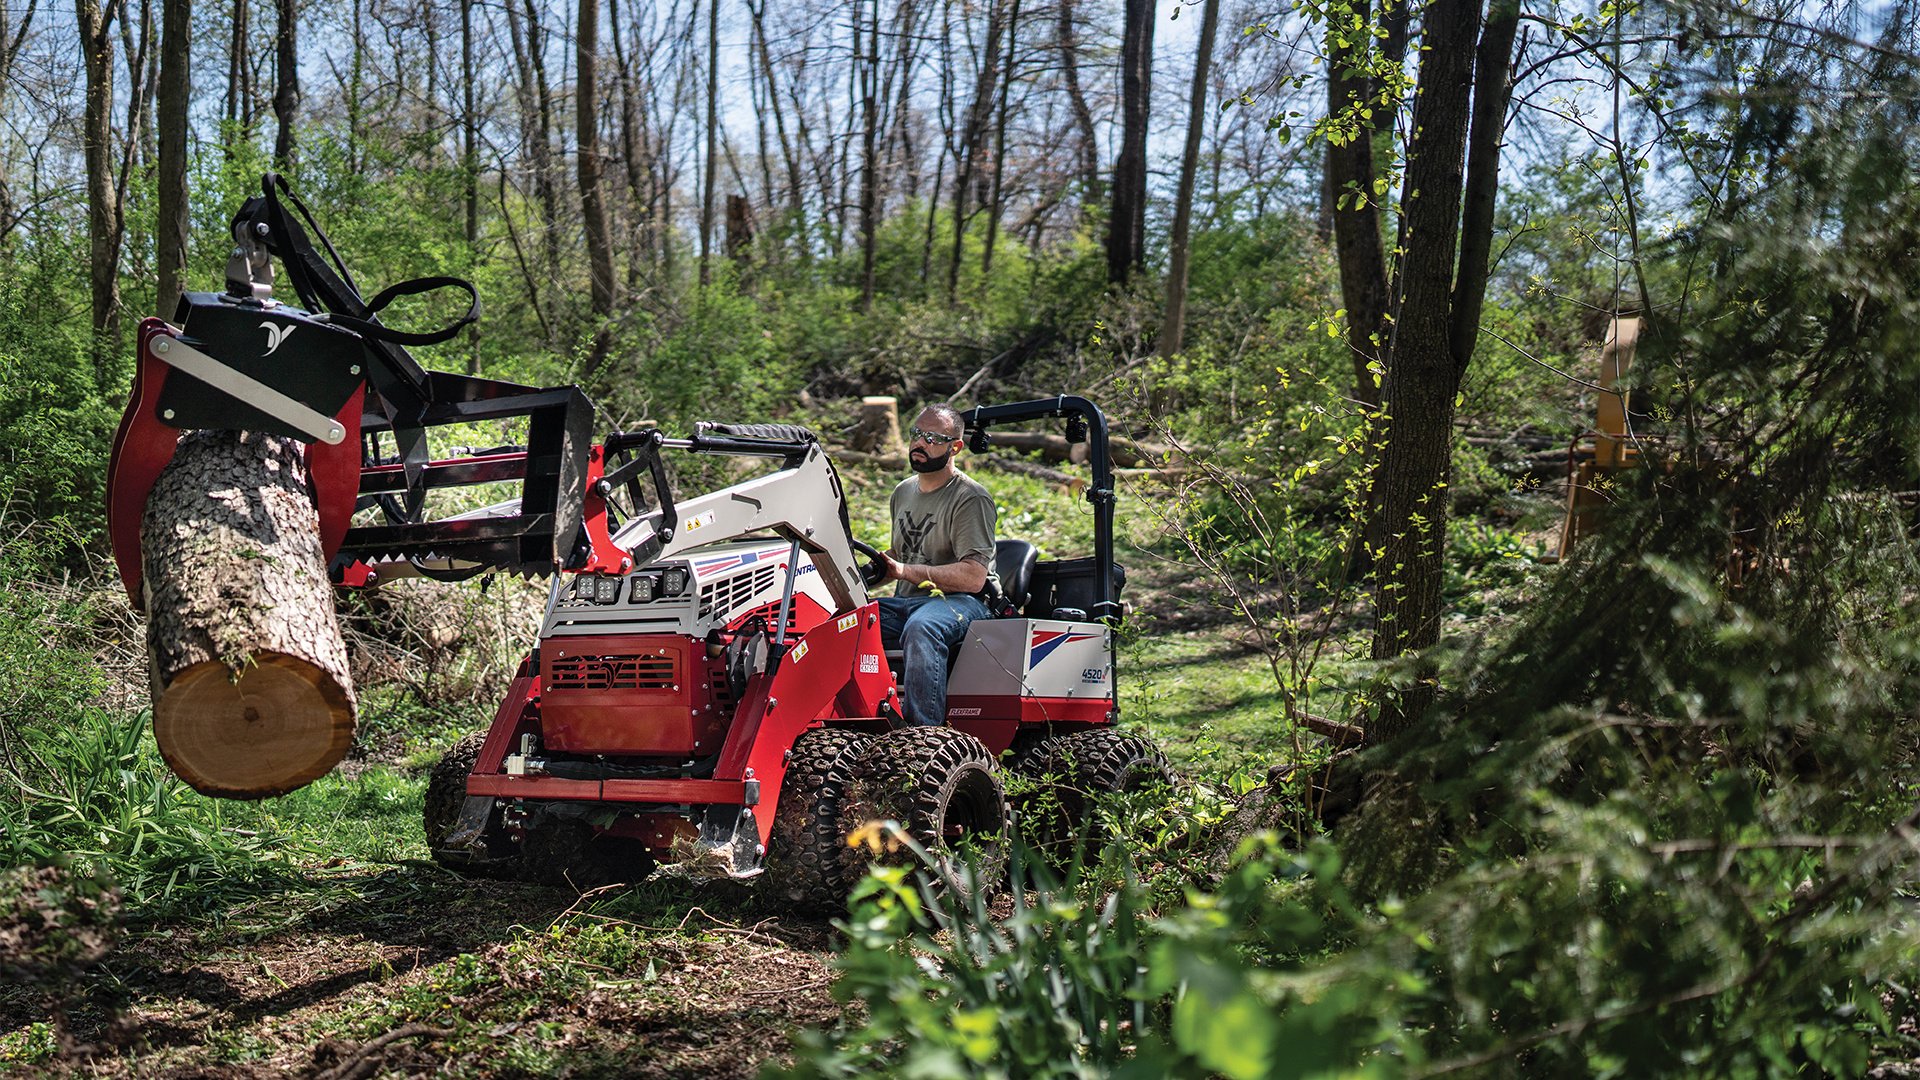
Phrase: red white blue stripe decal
[1046,641]
[727,562]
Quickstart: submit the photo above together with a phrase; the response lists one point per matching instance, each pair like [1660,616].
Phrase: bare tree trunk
[12,38]
[1356,216]
[712,170]
[103,207]
[529,55]
[357,82]
[1173,332]
[469,155]
[994,207]
[947,126]
[1127,226]
[175,90]
[631,154]
[900,142]
[252,695]
[796,206]
[867,62]
[239,114]
[593,209]
[1087,153]
[974,139]
[286,82]
[1492,92]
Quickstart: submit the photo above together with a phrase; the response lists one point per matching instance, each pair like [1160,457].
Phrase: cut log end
[282,724]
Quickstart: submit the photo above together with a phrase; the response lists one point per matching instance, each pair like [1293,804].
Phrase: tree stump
[251,692]
[878,432]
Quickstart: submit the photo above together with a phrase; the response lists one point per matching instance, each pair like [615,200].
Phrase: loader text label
[869,664]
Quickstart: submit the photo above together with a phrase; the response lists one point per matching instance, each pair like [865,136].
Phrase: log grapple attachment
[330,374]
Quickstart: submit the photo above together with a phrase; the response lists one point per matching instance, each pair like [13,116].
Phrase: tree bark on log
[251,692]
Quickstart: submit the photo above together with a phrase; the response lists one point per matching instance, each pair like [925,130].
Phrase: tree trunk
[740,228]
[973,142]
[994,207]
[251,692]
[1423,374]
[1173,331]
[711,174]
[878,430]
[286,82]
[630,156]
[1356,214]
[176,87]
[795,188]
[592,205]
[103,208]
[469,155]
[1088,152]
[1127,227]
[530,92]
[239,111]
[11,39]
[867,62]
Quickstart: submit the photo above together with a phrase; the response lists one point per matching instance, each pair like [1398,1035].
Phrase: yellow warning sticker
[799,652]
[848,622]
[698,522]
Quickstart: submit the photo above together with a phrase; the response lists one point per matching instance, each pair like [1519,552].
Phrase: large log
[251,693]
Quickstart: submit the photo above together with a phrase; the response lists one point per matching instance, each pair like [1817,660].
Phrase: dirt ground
[412,971]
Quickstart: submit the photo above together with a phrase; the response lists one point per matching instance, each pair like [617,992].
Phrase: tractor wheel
[1069,774]
[440,812]
[805,867]
[943,788]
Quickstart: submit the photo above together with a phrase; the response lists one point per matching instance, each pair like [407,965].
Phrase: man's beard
[930,464]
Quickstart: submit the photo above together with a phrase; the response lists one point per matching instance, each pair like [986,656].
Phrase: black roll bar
[1085,423]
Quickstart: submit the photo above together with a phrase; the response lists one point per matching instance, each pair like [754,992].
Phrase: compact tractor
[709,686]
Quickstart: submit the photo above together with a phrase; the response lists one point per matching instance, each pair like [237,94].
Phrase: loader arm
[802,502]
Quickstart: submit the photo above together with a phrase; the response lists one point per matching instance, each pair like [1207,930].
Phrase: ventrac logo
[276,333]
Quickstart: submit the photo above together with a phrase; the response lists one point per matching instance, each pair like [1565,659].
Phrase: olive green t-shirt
[949,525]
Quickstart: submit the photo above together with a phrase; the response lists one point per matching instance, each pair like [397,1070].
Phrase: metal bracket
[467,841]
[729,845]
[184,357]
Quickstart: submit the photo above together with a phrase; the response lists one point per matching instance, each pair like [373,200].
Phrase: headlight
[674,582]
[642,589]
[606,590]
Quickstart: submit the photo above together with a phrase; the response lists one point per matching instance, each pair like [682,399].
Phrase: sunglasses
[932,437]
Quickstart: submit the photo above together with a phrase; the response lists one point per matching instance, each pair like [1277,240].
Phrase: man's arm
[965,576]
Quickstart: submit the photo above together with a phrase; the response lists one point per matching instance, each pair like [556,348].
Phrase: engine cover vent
[723,596]
[612,673]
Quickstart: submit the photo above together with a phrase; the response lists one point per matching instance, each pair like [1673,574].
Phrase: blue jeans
[926,628]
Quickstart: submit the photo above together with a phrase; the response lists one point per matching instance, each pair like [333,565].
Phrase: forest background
[1643,812]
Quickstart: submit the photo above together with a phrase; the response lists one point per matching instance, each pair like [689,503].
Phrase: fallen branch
[366,1060]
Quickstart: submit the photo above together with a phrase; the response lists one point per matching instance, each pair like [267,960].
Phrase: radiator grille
[721,597]
[612,673]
